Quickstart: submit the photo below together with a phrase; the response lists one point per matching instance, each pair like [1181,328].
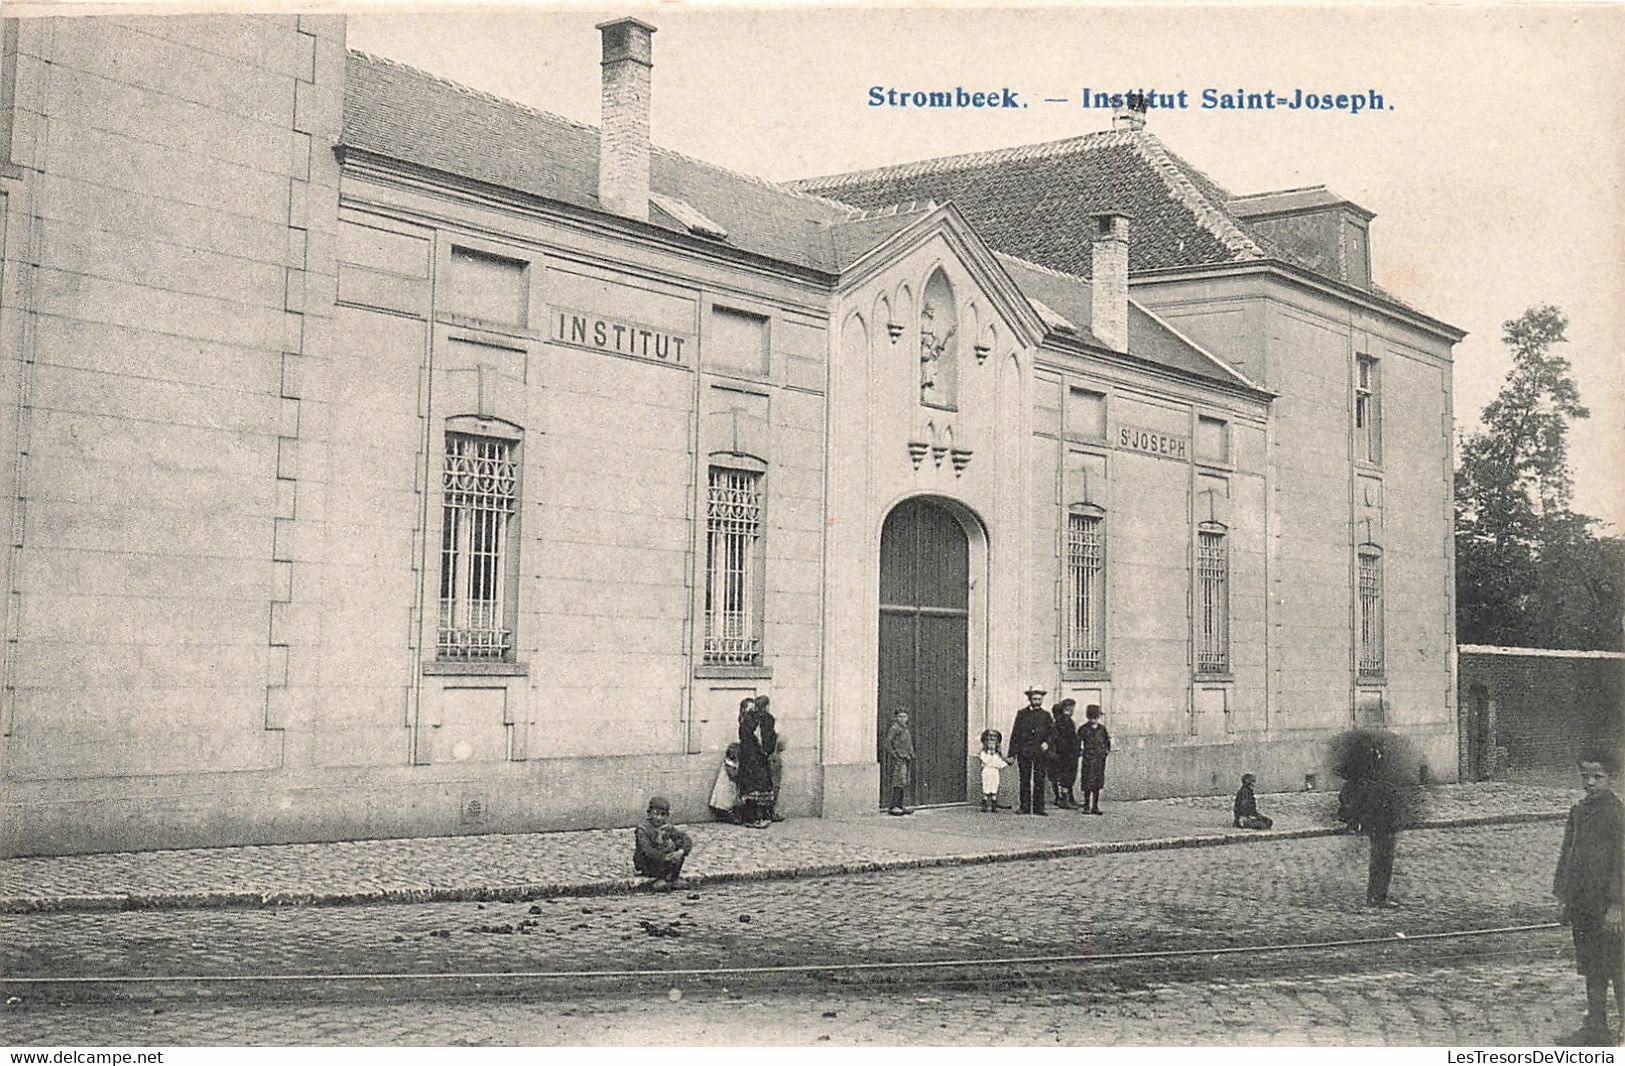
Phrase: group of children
[746,791]
[1588,883]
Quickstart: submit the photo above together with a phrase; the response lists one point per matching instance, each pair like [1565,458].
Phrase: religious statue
[931,349]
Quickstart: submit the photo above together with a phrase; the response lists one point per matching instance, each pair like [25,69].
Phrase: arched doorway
[924,642]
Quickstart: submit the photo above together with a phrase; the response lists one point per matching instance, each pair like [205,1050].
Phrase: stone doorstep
[525,892]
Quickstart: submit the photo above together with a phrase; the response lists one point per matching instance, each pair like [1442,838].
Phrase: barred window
[479,490]
[1213,602]
[1085,591]
[1370,588]
[1367,411]
[733,571]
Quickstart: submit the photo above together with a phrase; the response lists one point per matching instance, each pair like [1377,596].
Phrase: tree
[1529,571]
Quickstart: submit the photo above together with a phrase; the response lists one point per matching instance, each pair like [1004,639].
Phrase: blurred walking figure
[1587,884]
[1369,803]
[1246,807]
[1064,760]
[1094,744]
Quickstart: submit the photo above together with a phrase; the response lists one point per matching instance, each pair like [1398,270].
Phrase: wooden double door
[924,644]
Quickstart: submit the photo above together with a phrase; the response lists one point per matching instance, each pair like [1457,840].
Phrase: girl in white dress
[992,762]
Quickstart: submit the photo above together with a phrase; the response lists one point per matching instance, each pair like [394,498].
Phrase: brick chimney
[1108,279]
[623,139]
[1131,116]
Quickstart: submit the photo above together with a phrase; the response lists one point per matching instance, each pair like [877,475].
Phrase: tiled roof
[1071,298]
[407,114]
[1014,197]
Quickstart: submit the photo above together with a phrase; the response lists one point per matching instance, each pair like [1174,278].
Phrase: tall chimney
[1131,116]
[623,139]
[1108,279]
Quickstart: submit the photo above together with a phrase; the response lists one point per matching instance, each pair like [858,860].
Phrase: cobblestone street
[1473,1004]
[595,861]
[1282,891]
[1286,890]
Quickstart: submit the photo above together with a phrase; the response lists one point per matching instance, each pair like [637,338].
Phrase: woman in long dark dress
[1095,744]
[757,740]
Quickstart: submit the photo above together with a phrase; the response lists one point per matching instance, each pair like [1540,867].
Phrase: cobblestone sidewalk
[596,862]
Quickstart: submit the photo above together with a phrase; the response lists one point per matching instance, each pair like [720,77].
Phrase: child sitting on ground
[1246,809]
[660,849]
[992,762]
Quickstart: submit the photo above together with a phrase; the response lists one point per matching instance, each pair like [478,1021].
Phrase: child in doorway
[898,748]
[1588,886]
[992,762]
[1246,808]
[659,849]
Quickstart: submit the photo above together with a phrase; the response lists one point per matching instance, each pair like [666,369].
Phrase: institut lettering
[582,330]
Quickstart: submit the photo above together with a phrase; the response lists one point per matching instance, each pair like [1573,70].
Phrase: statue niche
[939,333]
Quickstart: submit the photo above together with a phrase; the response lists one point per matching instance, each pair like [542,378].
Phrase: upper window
[733,568]
[1086,414]
[479,488]
[1212,600]
[1085,590]
[1212,440]
[738,341]
[1368,411]
[1369,579]
[487,287]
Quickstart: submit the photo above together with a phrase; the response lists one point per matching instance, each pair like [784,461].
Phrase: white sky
[1496,178]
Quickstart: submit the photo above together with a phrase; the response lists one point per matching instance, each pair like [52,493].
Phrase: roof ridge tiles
[480,94]
[469,90]
[1042,269]
[1277,192]
[1213,217]
[903,207]
[1044,150]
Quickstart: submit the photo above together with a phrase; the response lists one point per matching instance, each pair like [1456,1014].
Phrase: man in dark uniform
[1032,739]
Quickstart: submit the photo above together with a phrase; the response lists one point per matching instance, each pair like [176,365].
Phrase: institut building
[384,458]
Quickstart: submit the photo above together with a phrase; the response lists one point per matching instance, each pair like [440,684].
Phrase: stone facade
[357,492]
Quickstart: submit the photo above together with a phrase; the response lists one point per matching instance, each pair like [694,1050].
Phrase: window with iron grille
[1085,592]
[733,568]
[1212,602]
[1367,411]
[479,500]
[1370,587]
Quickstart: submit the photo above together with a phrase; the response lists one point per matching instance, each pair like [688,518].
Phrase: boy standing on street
[1588,887]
